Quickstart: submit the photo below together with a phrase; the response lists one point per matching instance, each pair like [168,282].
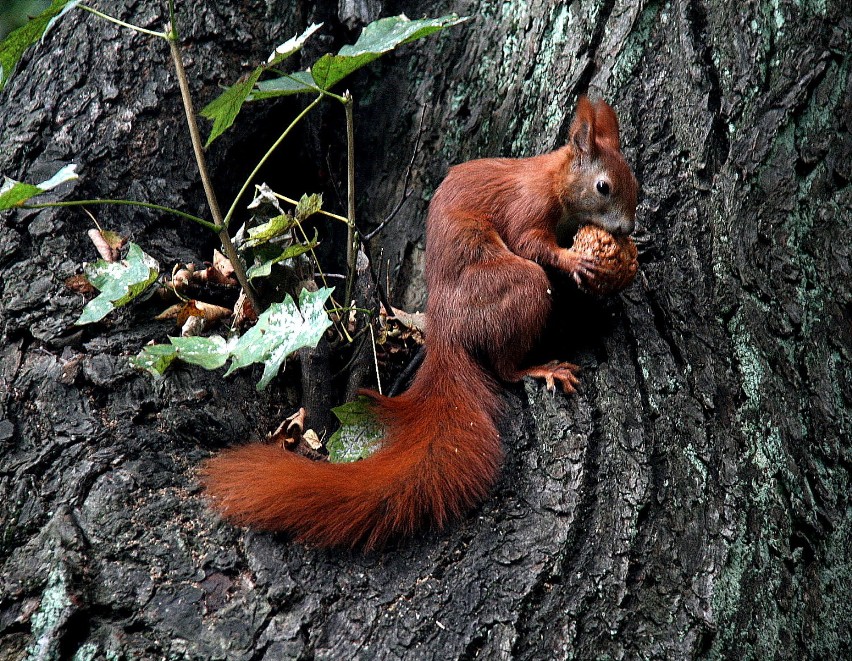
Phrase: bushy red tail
[440,456]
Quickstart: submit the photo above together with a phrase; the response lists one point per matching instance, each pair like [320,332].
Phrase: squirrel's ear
[606,126]
[582,133]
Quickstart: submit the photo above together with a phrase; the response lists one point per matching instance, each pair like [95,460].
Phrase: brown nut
[616,255]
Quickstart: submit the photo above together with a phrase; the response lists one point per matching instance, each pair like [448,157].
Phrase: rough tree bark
[691,502]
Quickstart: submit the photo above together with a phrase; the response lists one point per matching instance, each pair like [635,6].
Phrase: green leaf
[118,282]
[264,269]
[16,44]
[223,110]
[291,46]
[281,330]
[359,434]
[386,34]
[15,193]
[378,38]
[155,358]
[208,352]
[308,205]
[299,82]
[272,228]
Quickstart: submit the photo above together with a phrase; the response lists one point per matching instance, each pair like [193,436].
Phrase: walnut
[615,254]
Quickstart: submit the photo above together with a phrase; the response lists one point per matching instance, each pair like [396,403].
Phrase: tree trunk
[691,502]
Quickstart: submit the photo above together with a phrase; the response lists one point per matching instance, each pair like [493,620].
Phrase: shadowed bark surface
[691,502]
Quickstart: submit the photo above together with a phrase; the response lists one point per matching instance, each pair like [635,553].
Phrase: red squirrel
[490,230]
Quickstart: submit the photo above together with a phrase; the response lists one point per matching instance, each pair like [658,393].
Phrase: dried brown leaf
[289,432]
[171,312]
[244,312]
[213,312]
[413,320]
[222,264]
[189,309]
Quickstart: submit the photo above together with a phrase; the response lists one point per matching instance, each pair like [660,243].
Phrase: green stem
[111,19]
[342,325]
[342,219]
[313,254]
[265,158]
[130,203]
[218,225]
[172,23]
[349,309]
[315,88]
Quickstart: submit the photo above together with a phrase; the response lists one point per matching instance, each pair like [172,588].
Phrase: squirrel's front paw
[581,267]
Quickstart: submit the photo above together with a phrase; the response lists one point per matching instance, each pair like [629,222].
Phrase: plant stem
[321,211]
[221,226]
[131,203]
[265,158]
[109,18]
[313,254]
[318,90]
[352,235]
[342,324]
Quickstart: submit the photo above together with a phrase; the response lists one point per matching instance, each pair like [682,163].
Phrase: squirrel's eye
[603,187]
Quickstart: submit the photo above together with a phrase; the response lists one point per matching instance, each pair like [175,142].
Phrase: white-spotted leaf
[359,434]
[281,330]
[118,282]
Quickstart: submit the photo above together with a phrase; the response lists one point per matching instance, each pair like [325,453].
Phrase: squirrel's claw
[556,372]
[582,267]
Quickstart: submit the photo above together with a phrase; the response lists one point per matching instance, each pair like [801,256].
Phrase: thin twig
[352,235]
[375,357]
[342,325]
[320,211]
[111,19]
[405,192]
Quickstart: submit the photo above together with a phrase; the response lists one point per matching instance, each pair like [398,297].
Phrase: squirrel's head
[602,188]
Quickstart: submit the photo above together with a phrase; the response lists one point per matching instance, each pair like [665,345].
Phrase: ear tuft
[582,133]
[606,126]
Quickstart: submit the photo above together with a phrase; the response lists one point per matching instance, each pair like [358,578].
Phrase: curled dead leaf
[170,312]
[181,278]
[206,311]
[289,432]
[414,320]
[106,243]
[244,312]
[222,265]
[186,309]
[310,437]
[192,326]
[213,312]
